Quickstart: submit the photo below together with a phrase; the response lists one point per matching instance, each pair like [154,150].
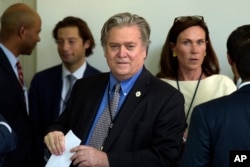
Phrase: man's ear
[86,44]
[21,31]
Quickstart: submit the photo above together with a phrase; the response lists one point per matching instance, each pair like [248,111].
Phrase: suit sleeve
[197,150]
[7,138]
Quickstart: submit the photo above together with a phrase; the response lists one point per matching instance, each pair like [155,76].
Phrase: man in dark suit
[20,27]
[232,41]
[221,126]
[147,126]
[7,138]
[48,89]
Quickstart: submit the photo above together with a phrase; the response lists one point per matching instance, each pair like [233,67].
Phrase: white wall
[221,16]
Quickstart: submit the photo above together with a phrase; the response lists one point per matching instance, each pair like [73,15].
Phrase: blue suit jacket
[148,129]
[7,139]
[44,100]
[216,128]
[13,109]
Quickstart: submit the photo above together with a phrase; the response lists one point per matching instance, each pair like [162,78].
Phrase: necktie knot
[71,79]
[117,87]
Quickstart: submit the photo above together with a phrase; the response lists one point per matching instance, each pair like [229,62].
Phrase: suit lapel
[128,108]
[87,117]
[88,71]
[11,76]
[57,86]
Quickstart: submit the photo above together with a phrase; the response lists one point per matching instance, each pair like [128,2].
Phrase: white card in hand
[71,140]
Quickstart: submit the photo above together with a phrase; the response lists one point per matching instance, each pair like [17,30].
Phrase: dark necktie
[20,73]
[71,79]
[101,129]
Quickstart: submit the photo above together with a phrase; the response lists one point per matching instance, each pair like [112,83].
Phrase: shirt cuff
[6,125]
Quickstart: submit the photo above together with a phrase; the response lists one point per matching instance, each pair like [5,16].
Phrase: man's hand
[55,141]
[88,156]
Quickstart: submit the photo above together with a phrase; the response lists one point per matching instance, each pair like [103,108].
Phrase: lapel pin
[138,94]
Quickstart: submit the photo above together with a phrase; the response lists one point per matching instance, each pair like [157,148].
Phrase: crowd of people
[188,114]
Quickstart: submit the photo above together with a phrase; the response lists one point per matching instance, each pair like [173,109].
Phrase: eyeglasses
[185,18]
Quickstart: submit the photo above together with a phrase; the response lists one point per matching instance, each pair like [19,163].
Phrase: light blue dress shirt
[126,86]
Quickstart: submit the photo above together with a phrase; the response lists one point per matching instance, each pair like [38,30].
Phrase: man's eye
[130,47]
[71,42]
[114,46]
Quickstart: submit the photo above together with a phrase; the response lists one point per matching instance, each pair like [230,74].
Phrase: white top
[210,88]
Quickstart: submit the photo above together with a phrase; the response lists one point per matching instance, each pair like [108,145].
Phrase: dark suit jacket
[44,100]
[13,109]
[7,139]
[148,129]
[216,128]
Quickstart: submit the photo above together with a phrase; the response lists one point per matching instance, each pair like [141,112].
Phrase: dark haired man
[50,88]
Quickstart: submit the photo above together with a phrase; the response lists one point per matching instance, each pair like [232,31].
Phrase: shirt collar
[126,85]
[238,82]
[10,56]
[78,73]
[244,84]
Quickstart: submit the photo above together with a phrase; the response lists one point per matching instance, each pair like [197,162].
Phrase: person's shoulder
[220,78]
[157,83]
[222,81]
[93,69]
[90,70]
[47,75]
[50,71]
[170,81]
[162,86]
[99,77]
[217,105]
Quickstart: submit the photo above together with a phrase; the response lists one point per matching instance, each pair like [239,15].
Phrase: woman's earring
[174,54]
